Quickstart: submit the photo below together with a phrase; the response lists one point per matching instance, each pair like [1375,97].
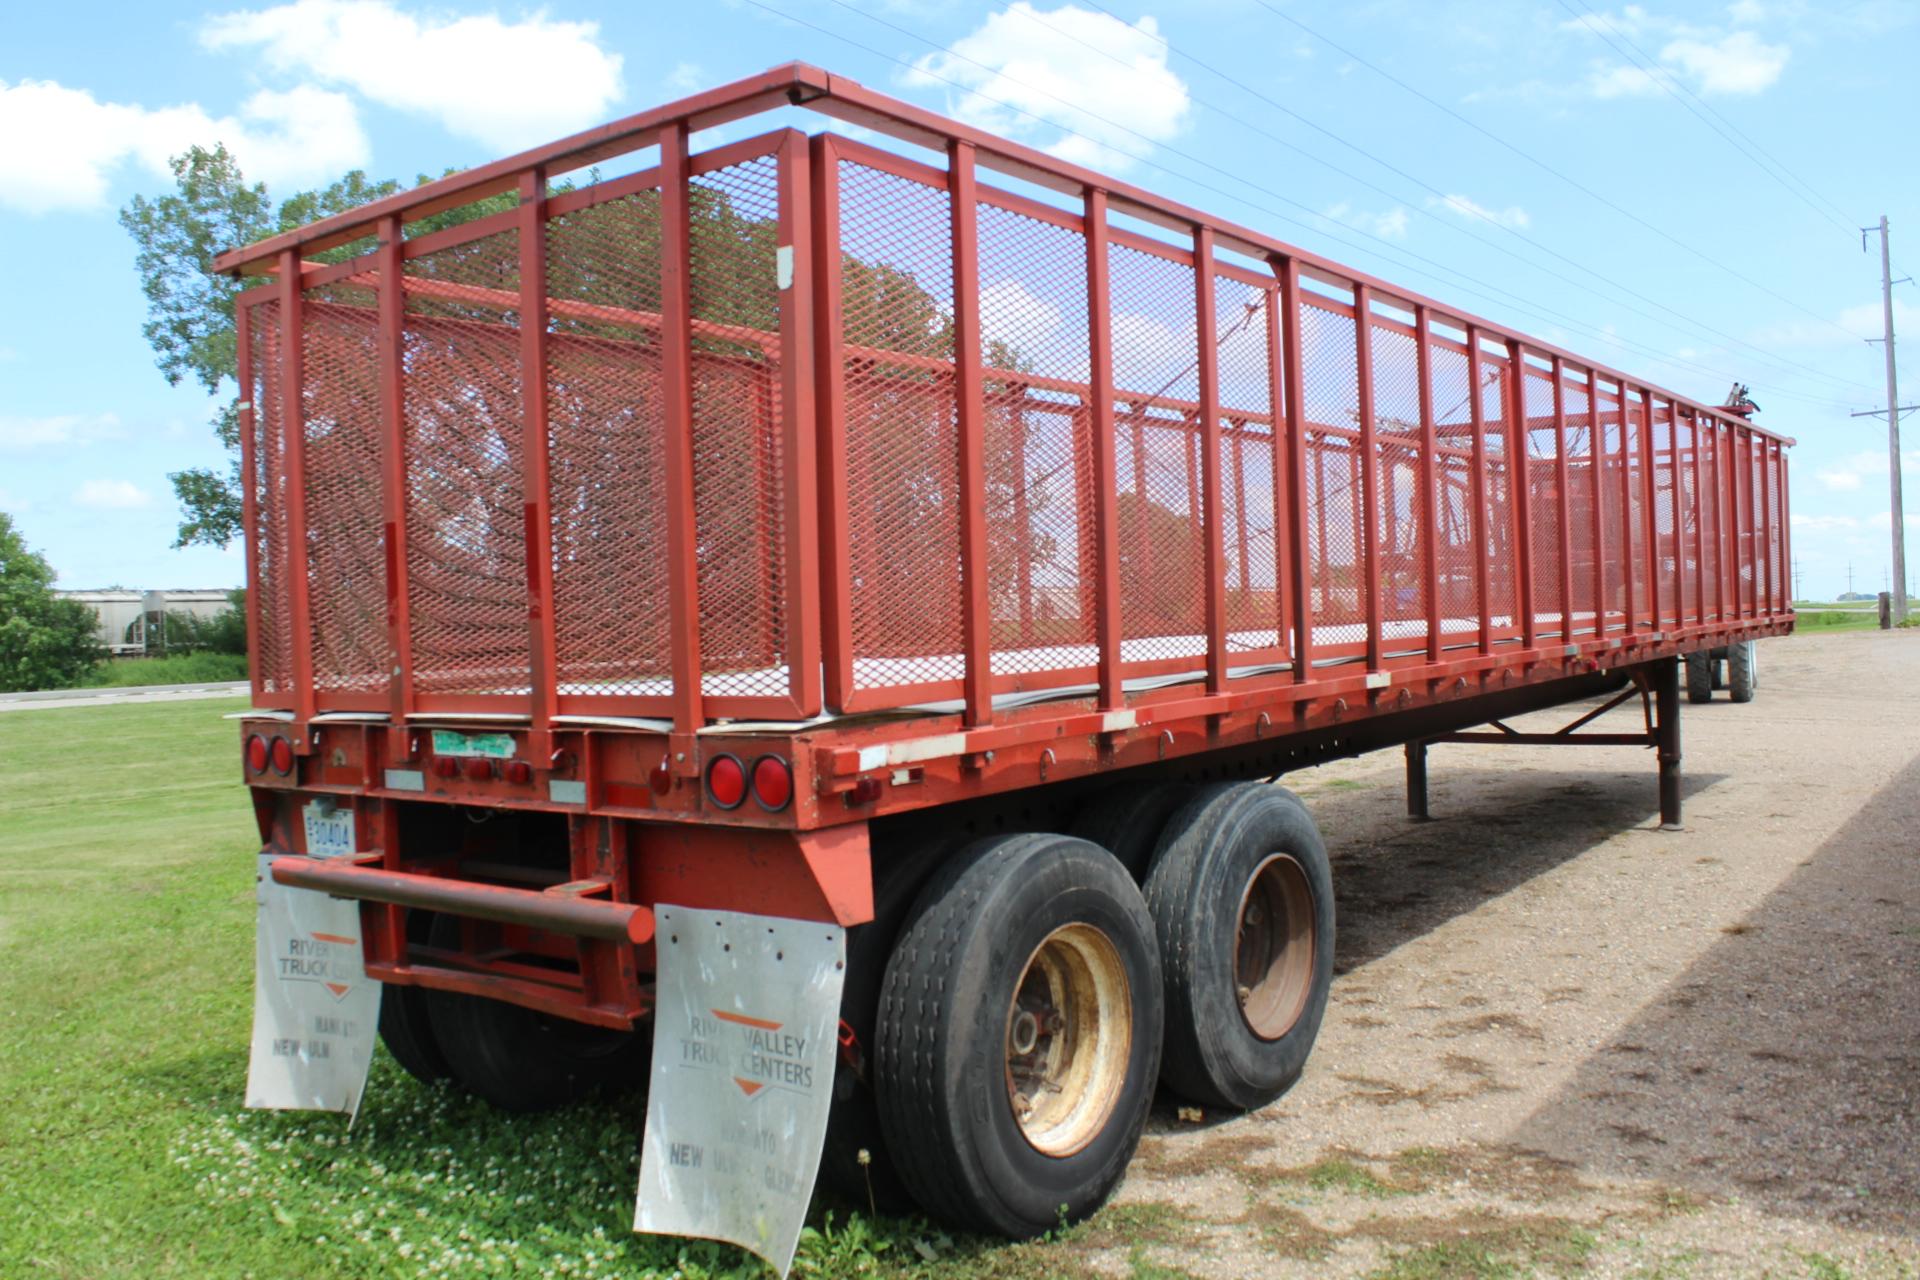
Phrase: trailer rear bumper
[563,908]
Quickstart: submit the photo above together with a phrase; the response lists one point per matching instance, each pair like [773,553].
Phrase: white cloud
[1882,521]
[59,429]
[1391,225]
[1012,314]
[1708,60]
[507,84]
[109,495]
[1863,322]
[1851,473]
[686,77]
[1473,211]
[1804,523]
[1026,73]
[62,147]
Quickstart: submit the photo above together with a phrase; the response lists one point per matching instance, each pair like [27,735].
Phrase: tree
[46,641]
[189,324]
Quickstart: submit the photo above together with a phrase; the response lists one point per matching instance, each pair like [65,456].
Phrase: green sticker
[497,746]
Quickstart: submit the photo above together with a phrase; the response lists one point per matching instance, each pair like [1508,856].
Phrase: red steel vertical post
[830,400]
[1213,555]
[1769,457]
[1786,539]
[1106,530]
[536,486]
[1718,483]
[1563,506]
[1482,532]
[294,451]
[248,418]
[1429,477]
[1596,458]
[798,404]
[1288,269]
[391,357]
[676,395]
[1368,499]
[1520,482]
[1679,523]
[1282,469]
[1649,516]
[976,621]
[1697,502]
[1629,605]
[1747,468]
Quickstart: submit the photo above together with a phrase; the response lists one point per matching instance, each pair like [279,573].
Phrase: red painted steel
[801,426]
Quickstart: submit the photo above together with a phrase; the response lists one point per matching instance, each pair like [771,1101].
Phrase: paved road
[105,697]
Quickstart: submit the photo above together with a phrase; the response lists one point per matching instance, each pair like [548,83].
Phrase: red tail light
[772,783]
[519,772]
[477,768]
[445,767]
[727,781]
[282,753]
[257,754]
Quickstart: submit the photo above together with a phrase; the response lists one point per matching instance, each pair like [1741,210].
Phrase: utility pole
[1899,574]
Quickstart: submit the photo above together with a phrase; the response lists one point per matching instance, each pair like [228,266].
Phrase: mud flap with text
[315,1011]
[744,1047]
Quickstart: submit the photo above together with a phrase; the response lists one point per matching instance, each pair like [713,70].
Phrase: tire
[520,1060]
[1034,940]
[853,1122]
[1240,859]
[1700,677]
[1742,677]
[406,1027]
[1127,821]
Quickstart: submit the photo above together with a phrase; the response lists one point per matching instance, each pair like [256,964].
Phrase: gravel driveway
[1562,1040]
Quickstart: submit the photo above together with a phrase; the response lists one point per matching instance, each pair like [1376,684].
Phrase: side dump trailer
[928,545]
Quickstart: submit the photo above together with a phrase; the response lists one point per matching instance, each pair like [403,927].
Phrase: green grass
[180,668]
[126,963]
[1808,618]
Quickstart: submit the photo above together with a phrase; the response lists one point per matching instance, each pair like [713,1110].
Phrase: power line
[1447,199]
[1541,164]
[1661,79]
[1467,284]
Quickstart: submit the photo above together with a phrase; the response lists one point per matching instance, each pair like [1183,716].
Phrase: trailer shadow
[1492,830]
[1783,1066]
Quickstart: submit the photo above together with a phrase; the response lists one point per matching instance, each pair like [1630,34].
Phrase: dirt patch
[1562,1041]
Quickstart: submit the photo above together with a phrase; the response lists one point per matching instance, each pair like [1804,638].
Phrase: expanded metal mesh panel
[903,486]
[1776,575]
[1577,505]
[1711,517]
[606,450]
[1330,385]
[346,561]
[274,644]
[466,523]
[1544,497]
[1156,385]
[1634,547]
[1041,570]
[1503,588]
[1685,481]
[1398,513]
[1615,552]
[738,458]
[1243,359]
[1667,544]
[1747,499]
[1457,526]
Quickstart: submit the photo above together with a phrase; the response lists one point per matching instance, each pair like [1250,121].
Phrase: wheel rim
[1069,1035]
[1274,945]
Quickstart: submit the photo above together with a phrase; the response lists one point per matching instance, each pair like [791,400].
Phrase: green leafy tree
[46,641]
[189,325]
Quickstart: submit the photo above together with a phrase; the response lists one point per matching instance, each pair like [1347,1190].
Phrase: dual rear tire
[1036,996]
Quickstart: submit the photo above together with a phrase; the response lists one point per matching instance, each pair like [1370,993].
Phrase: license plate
[494,746]
[329,831]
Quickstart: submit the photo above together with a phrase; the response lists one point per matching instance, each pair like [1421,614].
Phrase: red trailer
[930,538]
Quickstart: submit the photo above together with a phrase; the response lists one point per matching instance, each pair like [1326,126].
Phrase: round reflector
[257,754]
[519,772]
[282,753]
[445,767]
[772,783]
[478,768]
[727,781]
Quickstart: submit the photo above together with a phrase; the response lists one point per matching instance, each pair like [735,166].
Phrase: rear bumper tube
[567,913]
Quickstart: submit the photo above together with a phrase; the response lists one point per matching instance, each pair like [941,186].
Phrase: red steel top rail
[802,85]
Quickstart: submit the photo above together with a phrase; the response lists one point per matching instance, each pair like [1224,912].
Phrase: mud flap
[315,1011]
[744,1046]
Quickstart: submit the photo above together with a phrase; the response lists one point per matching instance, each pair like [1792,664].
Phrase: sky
[1674,189]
